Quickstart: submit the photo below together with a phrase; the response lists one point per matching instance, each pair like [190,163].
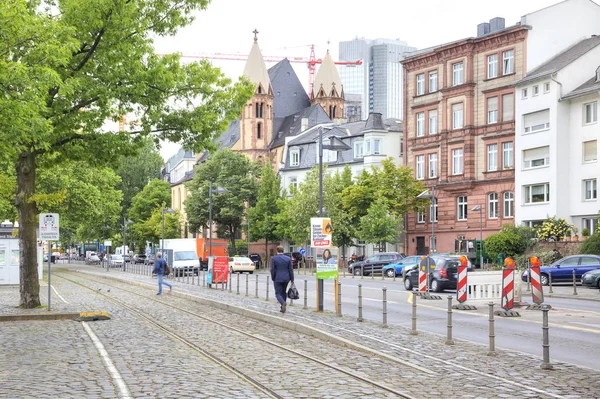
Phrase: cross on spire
[255,33]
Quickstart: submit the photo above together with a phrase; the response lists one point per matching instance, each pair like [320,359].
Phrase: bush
[510,241]
[553,228]
[591,245]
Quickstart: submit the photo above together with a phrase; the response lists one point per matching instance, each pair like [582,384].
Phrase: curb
[39,317]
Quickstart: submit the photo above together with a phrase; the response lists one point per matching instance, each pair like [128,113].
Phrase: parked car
[395,269]
[293,258]
[139,258]
[117,261]
[562,269]
[257,260]
[149,260]
[443,274]
[591,279]
[239,264]
[375,263]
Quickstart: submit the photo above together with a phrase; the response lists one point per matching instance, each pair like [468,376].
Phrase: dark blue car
[562,269]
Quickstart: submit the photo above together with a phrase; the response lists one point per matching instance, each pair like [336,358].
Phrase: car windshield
[241,259]
[186,255]
[117,257]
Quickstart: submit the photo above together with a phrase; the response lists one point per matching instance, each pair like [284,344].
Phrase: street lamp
[163,211]
[335,144]
[480,209]
[425,194]
[218,190]
[125,223]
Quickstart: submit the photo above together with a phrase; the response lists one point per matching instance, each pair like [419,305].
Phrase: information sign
[49,229]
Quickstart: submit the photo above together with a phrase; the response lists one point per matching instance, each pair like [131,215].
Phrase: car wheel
[408,284]
[390,272]
[357,271]
[544,279]
[435,285]
[250,272]
[231,271]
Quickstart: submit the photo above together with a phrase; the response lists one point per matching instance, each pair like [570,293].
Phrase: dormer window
[295,157]
[358,149]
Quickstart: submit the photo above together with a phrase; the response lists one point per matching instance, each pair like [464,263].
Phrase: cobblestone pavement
[62,350]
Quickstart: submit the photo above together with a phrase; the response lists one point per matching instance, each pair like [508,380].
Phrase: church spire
[328,90]
[256,69]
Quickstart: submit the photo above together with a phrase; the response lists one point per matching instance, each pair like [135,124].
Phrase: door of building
[421,250]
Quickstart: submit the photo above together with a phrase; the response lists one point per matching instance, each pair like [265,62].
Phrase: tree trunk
[267,266]
[27,210]
[232,235]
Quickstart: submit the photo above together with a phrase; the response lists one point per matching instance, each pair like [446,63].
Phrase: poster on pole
[327,265]
[320,232]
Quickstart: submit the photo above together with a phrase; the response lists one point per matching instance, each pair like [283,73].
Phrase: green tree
[232,171]
[591,245]
[69,65]
[151,228]
[378,225]
[510,241]
[144,207]
[344,228]
[263,216]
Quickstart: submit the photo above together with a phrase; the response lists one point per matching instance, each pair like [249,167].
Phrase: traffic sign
[49,228]
[302,251]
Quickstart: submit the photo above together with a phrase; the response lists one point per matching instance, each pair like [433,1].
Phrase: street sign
[302,251]
[49,228]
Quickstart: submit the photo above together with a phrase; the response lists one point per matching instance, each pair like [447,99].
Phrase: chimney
[303,124]
[483,29]
[496,24]
[374,122]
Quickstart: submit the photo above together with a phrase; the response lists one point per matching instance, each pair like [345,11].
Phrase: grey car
[375,263]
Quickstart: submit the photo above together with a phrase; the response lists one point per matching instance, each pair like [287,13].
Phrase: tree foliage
[378,225]
[232,171]
[68,66]
[510,240]
[263,216]
[146,213]
[591,245]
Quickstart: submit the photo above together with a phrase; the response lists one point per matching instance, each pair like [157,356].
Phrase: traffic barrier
[422,280]
[537,292]
[461,293]
[508,284]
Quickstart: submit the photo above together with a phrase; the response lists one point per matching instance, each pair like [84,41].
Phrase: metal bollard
[492,351]
[238,284]
[372,274]
[382,275]
[344,271]
[528,278]
[546,341]
[256,293]
[574,283]
[550,282]
[384,307]
[267,287]
[449,340]
[339,309]
[394,274]
[352,273]
[203,279]
[360,318]
[188,278]
[229,281]
[413,330]
[305,294]
[362,272]
[247,284]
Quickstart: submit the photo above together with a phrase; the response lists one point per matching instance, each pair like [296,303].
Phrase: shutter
[590,150]
[492,104]
[508,107]
[536,153]
[537,118]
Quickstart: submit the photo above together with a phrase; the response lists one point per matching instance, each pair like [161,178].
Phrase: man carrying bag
[282,273]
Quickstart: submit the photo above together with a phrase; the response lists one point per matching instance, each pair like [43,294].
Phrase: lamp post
[480,209]
[425,194]
[248,221]
[218,190]
[163,211]
[335,144]
[125,223]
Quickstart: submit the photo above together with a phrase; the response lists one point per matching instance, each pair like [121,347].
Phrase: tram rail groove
[222,362]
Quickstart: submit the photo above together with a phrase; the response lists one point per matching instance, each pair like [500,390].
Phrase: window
[420,84]
[547,87]
[524,93]
[536,157]
[457,116]
[258,130]
[535,90]
[432,81]
[433,121]
[295,157]
[420,217]
[590,113]
[508,63]
[358,149]
[492,64]
[589,188]
[536,193]
[492,157]
[457,74]
[493,206]
[420,167]
[507,155]
[433,213]
[329,156]
[590,151]
[492,110]
[508,107]
[457,161]
[461,208]
[537,121]
[590,224]
[509,205]
[433,165]
[376,146]
[293,182]
[420,124]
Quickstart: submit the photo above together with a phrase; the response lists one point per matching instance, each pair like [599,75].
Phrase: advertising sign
[327,268]
[218,270]
[320,232]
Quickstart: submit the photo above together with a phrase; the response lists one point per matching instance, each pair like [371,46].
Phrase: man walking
[159,269]
[282,273]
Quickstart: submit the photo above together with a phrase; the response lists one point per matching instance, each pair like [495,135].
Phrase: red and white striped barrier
[537,292]
[422,280]
[508,284]
[461,291]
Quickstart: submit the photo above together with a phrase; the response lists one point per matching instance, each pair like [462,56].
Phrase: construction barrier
[537,292]
[422,280]
[508,284]
[461,291]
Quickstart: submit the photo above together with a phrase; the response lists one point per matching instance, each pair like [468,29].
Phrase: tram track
[168,330]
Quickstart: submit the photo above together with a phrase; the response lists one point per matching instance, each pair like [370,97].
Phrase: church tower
[328,90]
[256,124]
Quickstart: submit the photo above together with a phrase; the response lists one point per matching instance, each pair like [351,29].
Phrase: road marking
[57,294]
[112,369]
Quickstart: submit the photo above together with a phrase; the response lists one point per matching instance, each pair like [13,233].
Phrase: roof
[561,60]
[292,124]
[590,86]
[328,77]
[174,160]
[256,69]
[289,97]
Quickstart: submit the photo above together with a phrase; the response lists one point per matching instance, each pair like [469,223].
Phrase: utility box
[10,261]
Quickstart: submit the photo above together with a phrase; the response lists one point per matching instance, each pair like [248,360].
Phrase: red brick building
[459,129]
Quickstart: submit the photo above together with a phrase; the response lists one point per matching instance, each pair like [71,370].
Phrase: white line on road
[112,369]
[57,294]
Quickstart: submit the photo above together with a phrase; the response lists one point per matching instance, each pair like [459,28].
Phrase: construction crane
[312,61]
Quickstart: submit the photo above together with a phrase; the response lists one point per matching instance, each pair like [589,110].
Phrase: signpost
[49,231]
[320,237]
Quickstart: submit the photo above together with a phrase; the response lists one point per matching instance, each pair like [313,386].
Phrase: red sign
[220,269]
[321,243]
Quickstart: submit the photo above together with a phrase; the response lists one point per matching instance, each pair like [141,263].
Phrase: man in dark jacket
[282,273]
[159,269]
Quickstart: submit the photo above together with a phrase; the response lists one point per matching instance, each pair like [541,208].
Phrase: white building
[556,137]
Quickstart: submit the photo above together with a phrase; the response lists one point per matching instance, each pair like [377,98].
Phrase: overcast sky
[288,28]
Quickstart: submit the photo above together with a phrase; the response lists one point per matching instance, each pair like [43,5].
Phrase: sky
[288,28]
